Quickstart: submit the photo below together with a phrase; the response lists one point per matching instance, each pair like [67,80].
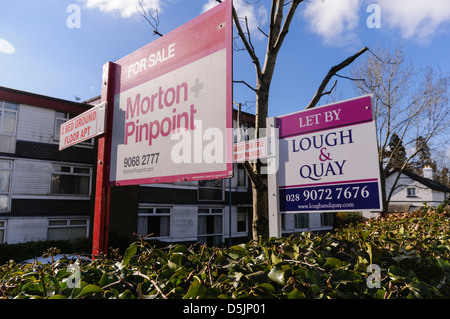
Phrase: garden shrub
[411,250]
[344,219]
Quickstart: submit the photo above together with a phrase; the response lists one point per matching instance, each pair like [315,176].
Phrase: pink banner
[190,42]
[326,117]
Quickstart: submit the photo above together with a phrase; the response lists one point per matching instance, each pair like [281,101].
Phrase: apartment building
[45,194]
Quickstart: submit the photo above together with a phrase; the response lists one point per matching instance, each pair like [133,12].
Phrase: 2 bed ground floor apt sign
[328,159]
[85,126]
[172,116]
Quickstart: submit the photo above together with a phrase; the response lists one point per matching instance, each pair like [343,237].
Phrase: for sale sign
[83,127]
[329,159]
[173,102]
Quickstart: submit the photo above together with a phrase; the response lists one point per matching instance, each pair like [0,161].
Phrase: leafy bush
[412,252]
[344,219]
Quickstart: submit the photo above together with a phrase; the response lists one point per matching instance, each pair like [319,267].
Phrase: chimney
[428,172]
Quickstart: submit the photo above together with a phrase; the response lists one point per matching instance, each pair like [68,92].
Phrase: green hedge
[412,252]
[342,220]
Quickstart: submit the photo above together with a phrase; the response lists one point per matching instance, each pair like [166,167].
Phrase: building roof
[424,181]
[245,117]
[44,101]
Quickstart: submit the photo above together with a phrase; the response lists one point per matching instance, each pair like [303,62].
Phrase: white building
[45,194]
[412,190]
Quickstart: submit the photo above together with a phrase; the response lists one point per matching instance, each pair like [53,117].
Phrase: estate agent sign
[173,104]
[83,127]
[328,159]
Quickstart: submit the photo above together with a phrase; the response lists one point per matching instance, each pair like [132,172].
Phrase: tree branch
[276,17]
[349,78]
[155,22]
[265,34]
[286,24]
[330,74]
[248,47]
[248,85]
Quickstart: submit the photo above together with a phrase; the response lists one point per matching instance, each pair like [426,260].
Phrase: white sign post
[83,127]
[328,160]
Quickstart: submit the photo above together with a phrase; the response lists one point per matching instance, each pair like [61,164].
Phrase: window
[71,180]
[241,176]
[283,221]
[242,218]
[8,123]
[8,117]
[211,190]
[154,222]
[411,192]
[65,229]
[210,226]
[5,184]
[326,219]
[60,118]
[301,220]
[2,231]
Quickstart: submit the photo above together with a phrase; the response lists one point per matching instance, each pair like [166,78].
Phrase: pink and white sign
[250,150]
[328,159]
[83,127]
[173,105]
[319,118]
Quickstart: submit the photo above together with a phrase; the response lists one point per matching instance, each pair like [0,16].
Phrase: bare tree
[407,103]
[281,15]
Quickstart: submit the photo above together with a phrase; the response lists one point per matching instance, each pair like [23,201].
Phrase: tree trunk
[384,201]
[260,225]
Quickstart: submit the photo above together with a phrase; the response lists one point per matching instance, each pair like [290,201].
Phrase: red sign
[250,150]
[172,116]
[83,127]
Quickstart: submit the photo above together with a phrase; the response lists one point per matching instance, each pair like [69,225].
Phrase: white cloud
[415,18]
[6,47]
[335,21]
[257,15]
[209,5]
[126,8]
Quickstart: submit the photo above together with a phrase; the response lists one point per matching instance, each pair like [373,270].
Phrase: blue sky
[41,53]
